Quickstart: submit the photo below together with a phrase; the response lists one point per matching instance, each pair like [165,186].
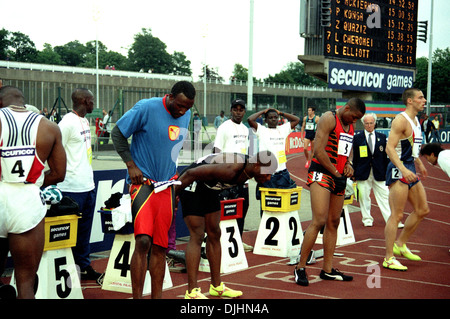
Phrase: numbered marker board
[118,275]
[345,233]
[233,255]
[279,234]
[57,276]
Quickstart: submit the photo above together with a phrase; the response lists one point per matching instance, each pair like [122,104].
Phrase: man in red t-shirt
[327,176]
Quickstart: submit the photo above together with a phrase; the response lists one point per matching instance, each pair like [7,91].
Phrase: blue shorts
[393,174]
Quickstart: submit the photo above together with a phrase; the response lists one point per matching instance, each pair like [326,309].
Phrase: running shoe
[89,273]
[222,291]
[307,164]
[405,252]
[195,294]
[300,277]
[335,275]
[394,264]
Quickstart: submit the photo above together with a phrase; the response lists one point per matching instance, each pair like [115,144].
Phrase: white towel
[122,214]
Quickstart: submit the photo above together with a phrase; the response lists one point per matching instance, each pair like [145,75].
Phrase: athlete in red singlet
[327,177]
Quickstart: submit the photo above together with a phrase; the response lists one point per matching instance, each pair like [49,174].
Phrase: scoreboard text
[381,31]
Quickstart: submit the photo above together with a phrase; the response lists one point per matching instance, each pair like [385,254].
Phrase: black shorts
[310,135]
[199,200]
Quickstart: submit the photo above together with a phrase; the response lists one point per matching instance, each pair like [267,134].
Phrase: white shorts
[21,208]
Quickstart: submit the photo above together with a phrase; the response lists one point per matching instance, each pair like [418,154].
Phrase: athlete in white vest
[403,147]
[27,142]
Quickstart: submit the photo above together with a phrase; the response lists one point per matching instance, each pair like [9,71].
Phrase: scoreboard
[378,32]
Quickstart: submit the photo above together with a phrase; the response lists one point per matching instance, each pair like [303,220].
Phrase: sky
[215,31]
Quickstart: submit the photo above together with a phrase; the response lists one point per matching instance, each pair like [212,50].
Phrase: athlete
[201,185]
[309,126]
[327,176]
[27,142]
[403,147]
[435,154]
[158,126]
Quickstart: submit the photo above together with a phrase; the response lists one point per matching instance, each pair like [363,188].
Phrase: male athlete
[202,184]
[327,178]
[27,142]
[403,148]
[158,127]
[309,125]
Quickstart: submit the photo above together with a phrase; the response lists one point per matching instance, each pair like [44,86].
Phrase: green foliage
[146,53]
[294,73]
[440,80]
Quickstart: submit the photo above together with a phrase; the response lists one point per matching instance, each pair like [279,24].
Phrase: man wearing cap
[232,137]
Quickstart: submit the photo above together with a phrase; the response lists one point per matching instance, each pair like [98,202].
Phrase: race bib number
[345,144]
[396,174]
[317,176]
[192,187]
[417,145]
[309,126]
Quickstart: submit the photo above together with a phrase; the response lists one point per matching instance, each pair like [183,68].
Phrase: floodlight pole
[250,61]
[430,58]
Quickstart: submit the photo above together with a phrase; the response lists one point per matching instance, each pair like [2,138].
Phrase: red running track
[271,278]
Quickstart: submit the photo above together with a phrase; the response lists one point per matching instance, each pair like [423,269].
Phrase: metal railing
[90,71]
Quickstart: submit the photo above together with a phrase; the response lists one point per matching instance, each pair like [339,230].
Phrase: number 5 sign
[57,276]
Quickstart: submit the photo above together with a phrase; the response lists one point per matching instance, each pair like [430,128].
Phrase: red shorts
[152,212]
[324,180]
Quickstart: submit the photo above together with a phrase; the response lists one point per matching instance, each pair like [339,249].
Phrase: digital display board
[382,31]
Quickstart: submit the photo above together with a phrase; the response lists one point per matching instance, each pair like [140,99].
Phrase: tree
[440,80]
[4,44]
[240,73]
[294,73]
[211,74]
[16,46]
[149,53]
[49,56]
[72,53]
[105,57]
[181,65]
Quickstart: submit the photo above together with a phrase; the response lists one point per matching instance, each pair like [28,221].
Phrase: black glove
[339,184]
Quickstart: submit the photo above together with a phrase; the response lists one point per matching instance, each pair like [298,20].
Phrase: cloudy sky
[213,29]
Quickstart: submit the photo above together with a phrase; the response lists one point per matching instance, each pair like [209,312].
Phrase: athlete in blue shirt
[158,127]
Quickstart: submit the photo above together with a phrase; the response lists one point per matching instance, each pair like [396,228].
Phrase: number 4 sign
[118,276]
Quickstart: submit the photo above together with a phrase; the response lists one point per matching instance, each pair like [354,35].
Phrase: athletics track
[269,281]
[271,278]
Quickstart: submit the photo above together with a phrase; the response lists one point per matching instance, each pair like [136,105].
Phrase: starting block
[280,234]
[233,255]
[118,275]
[57,275]
[345,233]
